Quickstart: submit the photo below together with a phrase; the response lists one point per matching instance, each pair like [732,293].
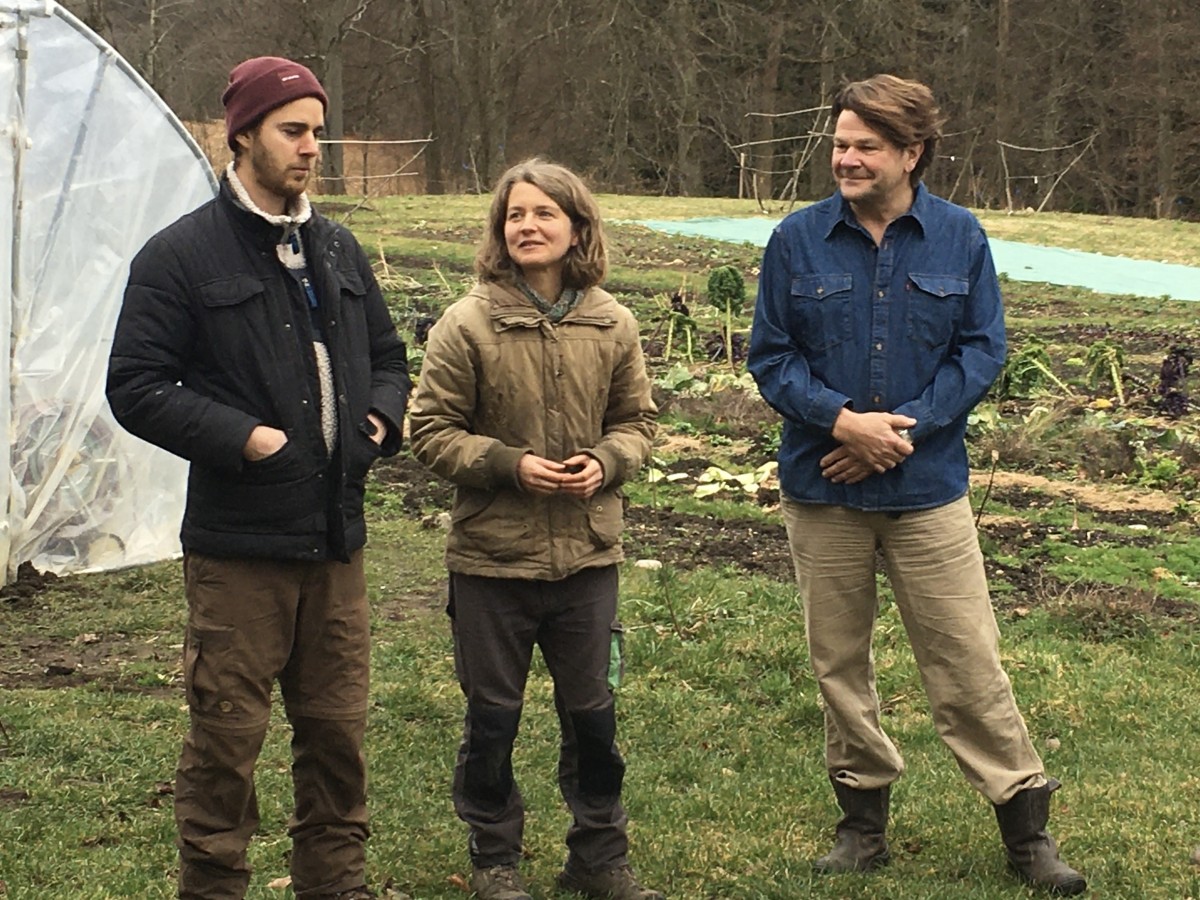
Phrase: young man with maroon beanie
[254,342]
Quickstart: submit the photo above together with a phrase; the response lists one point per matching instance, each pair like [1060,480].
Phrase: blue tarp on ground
[1022,262]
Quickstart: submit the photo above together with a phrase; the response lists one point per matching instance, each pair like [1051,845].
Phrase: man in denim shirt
[879,326]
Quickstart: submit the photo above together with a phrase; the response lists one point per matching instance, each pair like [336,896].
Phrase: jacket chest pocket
[821,310]
[347,313]
[230,292]
[935,307]
[235,314]
[350,283]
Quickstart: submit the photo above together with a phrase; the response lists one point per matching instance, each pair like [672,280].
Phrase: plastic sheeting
[1021,262]
[92,163]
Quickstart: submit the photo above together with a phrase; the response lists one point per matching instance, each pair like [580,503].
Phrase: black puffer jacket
[211,342]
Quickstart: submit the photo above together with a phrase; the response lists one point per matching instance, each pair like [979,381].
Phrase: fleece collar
[300,212]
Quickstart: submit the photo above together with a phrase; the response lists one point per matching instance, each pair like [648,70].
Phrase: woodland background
[717,97]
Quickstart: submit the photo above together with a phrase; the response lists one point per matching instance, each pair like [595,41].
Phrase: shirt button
[879,345]
[881,293]
[876,398]
[225,706]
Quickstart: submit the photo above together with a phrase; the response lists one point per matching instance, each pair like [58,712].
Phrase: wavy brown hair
[903,111]
[585,264]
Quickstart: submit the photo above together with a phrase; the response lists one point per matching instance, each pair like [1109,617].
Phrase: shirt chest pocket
[935,307]
[821,310]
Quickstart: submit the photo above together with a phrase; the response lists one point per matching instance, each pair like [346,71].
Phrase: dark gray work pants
[496,623]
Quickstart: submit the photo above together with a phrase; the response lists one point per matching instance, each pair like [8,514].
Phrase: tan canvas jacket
[500,380]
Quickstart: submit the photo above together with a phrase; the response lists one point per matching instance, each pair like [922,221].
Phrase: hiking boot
[362,892]
[1032,852]
[860,845]
[611,884]
[499,883]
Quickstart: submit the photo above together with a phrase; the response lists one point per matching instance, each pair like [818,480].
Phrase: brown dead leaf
[459,882]
[280,884]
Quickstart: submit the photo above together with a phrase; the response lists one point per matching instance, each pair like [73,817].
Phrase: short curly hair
[903,111]
[586,263]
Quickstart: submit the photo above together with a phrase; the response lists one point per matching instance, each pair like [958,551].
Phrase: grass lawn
[1088,513]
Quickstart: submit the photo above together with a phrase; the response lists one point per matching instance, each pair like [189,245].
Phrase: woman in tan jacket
[534,400]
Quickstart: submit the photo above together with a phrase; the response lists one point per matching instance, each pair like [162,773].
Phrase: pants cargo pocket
[205,657]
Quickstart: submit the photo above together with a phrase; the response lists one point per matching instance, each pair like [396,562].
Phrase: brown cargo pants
[252,622]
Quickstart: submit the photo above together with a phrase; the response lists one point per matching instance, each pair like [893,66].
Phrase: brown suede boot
[860,845]
[498,883]
[1032,852]
[611,884]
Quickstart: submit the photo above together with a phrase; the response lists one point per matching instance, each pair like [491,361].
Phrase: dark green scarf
[553,311]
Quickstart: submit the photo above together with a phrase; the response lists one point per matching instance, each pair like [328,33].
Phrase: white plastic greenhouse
[92,162]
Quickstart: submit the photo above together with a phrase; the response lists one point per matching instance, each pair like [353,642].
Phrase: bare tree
[653,94]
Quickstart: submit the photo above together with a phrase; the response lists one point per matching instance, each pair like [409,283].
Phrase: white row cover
[92,163]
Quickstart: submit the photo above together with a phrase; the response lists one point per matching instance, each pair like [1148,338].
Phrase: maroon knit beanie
[259,85]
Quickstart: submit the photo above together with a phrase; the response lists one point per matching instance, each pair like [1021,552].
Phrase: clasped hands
[869,443]
[578,476]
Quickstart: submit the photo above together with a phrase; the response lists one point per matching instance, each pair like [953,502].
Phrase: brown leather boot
[1032,852]
[502,882]
[611,884]
[860,845]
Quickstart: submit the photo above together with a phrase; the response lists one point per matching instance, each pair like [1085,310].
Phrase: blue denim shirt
[913,326]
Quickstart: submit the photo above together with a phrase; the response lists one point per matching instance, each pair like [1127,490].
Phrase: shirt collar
[919,212]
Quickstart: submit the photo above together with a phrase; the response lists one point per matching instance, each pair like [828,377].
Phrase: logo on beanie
[261,84]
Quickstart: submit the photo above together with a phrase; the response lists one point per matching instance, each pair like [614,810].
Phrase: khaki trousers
[935,567]
[252,622]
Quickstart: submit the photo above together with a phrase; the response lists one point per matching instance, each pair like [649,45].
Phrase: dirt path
[1102,498]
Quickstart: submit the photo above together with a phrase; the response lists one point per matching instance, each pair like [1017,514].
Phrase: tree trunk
[768,103]
[1164,200]
[687,124]
[435,179]
[332,165]
[1004,116]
